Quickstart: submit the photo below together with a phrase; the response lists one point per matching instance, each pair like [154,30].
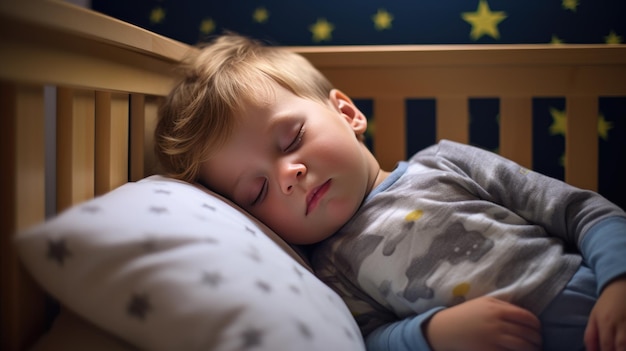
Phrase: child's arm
[606,329]
[481,324]
[484,324]
[604,248]
[562,210]
[581,218]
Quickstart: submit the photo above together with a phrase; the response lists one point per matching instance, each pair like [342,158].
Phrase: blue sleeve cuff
[604,249]
[403,335]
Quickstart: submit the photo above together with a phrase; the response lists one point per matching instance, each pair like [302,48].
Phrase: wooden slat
[144,117]
[151,109]
[137,136]
[111,150]
[516,128]
[581,142]
[22,201]
[389,131]
[453,118]
[75,146]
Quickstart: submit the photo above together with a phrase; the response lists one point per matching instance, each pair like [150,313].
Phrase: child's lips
[314,197]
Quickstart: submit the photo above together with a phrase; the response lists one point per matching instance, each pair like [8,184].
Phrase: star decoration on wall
[382,19]
[139,306]
[604,127]
[260,15]
[556,40]
[322,30]
[157,15]
[58,251]
[207,26]
[613,38]
[484,21]
[571,5]
[559,122]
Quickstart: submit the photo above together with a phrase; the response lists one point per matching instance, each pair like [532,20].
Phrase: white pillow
[166,265]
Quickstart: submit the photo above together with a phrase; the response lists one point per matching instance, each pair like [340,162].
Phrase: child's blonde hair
[197,116]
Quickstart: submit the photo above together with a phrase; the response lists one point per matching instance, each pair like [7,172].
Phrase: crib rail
[101,81]
[452,74]
[89,85]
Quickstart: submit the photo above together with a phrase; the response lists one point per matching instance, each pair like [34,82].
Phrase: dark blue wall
[324,22]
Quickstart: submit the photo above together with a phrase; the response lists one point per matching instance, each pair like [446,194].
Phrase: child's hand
[606,329]
[484,324]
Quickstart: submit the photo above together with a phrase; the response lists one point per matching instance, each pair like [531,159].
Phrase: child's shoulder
[444,147]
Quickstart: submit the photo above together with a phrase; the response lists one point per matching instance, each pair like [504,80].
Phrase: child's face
[296,164]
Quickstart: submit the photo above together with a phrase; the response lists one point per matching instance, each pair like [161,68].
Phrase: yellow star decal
[559,122]
[260,15]
[322,30]
[571,5]
[556,40]
[157,15]
[603,127]
[613,38]
[382,19]
[484,21]
[207,26]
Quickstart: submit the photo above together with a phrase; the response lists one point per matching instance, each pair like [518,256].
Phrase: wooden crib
[79,96]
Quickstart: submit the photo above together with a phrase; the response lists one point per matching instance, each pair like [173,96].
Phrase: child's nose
[291,173]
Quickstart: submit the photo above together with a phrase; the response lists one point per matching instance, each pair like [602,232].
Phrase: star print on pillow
[167,265]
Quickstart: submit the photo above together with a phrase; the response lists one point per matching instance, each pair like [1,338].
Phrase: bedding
[166,265]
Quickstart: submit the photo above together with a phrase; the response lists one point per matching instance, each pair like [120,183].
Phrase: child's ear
[355,118]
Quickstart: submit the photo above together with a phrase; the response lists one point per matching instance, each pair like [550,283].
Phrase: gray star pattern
[212,279]
[252,338]
[264,286]
[58,251]
[139,306]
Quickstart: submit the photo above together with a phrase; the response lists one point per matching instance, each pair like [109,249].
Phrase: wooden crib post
[453,118]
[581,140]
[516,129]
[111,149]
[22,204]
[389,124]
[75,146]
[137,131]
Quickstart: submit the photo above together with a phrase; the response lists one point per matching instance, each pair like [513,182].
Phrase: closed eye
[259,198]
[296,141]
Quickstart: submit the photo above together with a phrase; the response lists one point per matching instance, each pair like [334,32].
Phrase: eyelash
[296,141]
[291,147]
[261,193]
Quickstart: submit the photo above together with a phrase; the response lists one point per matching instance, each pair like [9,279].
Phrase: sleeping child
[456,248]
